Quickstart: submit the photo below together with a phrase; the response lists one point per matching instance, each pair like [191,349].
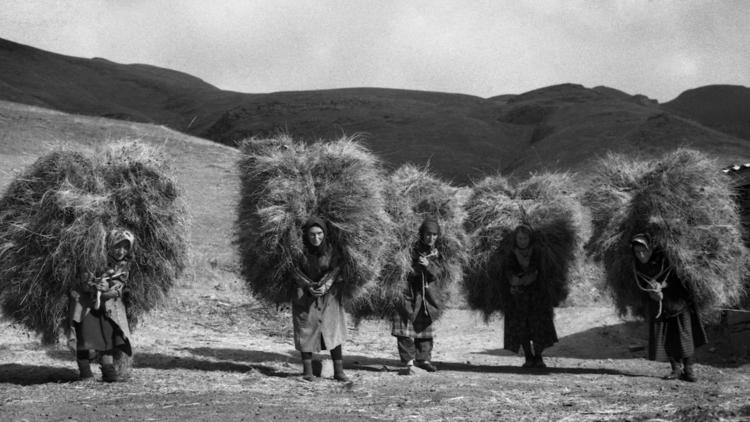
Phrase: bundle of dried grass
[412,195]
[547,204]
[54,219]
[282,184]
[686,205]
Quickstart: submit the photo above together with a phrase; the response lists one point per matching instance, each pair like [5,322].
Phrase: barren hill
[462,137]
[722,107]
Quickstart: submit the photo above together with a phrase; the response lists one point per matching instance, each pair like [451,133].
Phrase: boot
[84,369]
[307,371]
[338,371]
[676,371]
[109,374]
[688,374]
[426,365]
[539,362]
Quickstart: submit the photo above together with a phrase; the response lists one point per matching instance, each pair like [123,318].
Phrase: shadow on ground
[13,373]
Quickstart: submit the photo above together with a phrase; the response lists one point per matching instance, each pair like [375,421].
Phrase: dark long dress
[678,330]
[529,314]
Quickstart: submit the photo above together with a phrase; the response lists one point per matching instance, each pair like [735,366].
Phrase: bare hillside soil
[213,353]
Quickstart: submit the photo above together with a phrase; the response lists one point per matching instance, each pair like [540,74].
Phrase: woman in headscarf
[675,329]
[317,309]
[412,327]
[99,324]
[529,316]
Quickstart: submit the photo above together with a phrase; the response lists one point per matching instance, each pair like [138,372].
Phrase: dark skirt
[97,332]
[675,337]
[530,319]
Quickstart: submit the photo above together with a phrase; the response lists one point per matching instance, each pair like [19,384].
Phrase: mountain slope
[722,107]
[462,137]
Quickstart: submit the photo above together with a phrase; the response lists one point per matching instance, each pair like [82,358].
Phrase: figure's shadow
[14,373]
[228,360]
[629,340]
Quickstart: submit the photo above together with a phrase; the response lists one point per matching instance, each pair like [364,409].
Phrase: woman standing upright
[413,326]
[529,317]
[317,309]
[675,329]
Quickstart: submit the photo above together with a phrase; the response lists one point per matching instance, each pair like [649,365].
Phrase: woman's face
[315,235]
[642,253]
[429,238]
[120,250]
[522,239]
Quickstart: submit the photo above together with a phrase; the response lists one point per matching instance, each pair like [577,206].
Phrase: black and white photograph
[397,210]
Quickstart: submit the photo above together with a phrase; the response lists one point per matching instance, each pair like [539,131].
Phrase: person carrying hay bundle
[412,327]
[672,247]
[675,328]
[529,313]
[70,215]
[333,190]
[524,241]
[317,303]
[98,319]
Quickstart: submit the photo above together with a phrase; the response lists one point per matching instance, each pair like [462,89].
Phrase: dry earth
[213,353]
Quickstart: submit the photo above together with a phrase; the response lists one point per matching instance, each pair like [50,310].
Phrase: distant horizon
[483,49]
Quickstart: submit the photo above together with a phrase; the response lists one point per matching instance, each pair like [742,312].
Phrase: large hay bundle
[282,184]
[546,203]
[54,219]
[686,205]
[413,194]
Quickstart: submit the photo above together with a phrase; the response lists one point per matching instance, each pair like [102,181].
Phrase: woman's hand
[102,285]
[656,296]
[423,261]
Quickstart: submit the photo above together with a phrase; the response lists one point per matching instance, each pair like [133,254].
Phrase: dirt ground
[212,355]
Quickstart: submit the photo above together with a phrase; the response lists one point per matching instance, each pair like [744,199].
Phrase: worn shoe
[84,369]
[676,371]
[688,374]
[539,363]
[307,371]
[426,365]
[338,371]
[109,374]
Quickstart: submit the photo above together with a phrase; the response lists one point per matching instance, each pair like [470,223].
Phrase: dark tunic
[529,314]
[423,303]
[678,330]
[105,328]
[319,322]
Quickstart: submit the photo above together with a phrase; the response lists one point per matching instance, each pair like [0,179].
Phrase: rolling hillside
[722,107]
[462,137]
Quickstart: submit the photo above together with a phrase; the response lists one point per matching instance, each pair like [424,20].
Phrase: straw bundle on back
[495,209]
[282,184]
[686,204]
[413,194]
[54,219]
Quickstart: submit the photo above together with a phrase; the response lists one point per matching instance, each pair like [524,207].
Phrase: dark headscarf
[523,228]
[429,225]
[315,221]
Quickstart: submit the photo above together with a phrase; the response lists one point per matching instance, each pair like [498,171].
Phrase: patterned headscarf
[119,235]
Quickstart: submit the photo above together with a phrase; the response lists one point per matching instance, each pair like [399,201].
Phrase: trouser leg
[406,349]
[307,371]
[83,359]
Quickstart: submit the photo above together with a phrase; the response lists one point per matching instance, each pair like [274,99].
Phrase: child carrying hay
[685,209]
[97,313]
[54,221]
[332,190]
[524,242]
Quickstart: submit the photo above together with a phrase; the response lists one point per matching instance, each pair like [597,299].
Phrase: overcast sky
[485,48]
